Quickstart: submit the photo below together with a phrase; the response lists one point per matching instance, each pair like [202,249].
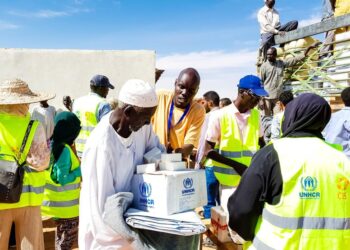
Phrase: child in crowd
[62,189]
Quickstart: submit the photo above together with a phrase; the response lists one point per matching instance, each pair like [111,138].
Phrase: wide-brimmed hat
[17,92]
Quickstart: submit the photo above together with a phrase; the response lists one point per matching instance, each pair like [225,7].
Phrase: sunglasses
[250,92]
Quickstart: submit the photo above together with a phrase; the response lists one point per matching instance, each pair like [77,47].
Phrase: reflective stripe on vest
[232,146]
[237,154]
[61,204]
[88,128]
[67,187]
[80,141]
[221,170]
[258,244]
[62,201]
[86,108]
[33,181]
[31,189]
[306,222]
[313,212]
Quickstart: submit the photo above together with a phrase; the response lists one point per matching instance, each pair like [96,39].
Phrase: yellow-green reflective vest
[12,131]
[232,146]
[336,146]
[62,201]
[314,210]
[86,109]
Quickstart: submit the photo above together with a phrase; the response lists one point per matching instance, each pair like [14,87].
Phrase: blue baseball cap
[101,81]
[252,83]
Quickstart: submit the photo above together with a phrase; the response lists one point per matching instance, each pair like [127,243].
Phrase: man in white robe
[112,152]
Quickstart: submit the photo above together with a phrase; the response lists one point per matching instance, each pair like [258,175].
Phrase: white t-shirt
[202,141]
[46,117]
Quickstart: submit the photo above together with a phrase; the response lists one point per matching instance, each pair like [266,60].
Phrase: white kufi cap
[138,93]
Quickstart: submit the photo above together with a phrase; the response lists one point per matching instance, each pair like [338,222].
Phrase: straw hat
[17,92]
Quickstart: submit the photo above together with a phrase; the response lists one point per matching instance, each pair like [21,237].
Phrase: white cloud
[49,13]
[219,70]
[209,60]
[313,19]
[8,26]
[78,10]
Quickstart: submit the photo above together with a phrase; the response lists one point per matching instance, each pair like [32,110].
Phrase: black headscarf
[306,115]
[67,128]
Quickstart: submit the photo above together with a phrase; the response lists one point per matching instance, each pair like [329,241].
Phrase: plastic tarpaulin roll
[185,224]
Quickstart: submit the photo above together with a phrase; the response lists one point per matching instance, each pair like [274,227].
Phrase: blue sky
[218,37]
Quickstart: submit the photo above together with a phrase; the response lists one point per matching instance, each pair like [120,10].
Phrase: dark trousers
[268,39]
[212,192]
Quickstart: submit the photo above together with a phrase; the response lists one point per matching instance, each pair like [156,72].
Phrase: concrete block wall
[68,72]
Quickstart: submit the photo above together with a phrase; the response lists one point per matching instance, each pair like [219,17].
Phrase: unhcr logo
[188,185]
[146,191]
[309,185]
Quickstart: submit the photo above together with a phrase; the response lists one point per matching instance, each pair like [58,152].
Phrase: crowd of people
[282,188]
[223,141]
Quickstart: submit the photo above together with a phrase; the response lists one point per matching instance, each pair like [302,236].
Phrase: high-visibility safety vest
[86,109]
[12,131]
[314,209]
[232,146]
[62,201]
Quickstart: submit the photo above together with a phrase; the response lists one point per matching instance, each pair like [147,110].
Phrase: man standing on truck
[269,20]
